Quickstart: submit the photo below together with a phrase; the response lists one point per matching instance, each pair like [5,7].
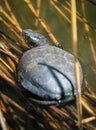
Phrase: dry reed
[38,11]
[76,65]
[88,33]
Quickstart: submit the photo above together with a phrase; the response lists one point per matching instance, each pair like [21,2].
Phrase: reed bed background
[16,112]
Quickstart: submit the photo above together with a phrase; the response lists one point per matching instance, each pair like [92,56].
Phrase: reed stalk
[88,32]
[38,12]
[79,16]
[76,65]
[11,13]
[3,121]
[9,18]
[89,119]
[13,30]
[60,11]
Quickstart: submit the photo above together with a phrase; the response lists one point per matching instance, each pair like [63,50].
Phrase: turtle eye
[27,36]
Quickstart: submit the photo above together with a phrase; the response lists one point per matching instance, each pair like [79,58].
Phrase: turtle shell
[48,72]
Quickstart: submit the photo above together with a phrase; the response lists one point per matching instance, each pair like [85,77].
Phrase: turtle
[47,71]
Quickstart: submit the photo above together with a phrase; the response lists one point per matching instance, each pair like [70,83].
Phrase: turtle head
[35,39]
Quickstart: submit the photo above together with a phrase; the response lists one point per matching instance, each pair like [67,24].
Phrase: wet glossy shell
[48,72]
